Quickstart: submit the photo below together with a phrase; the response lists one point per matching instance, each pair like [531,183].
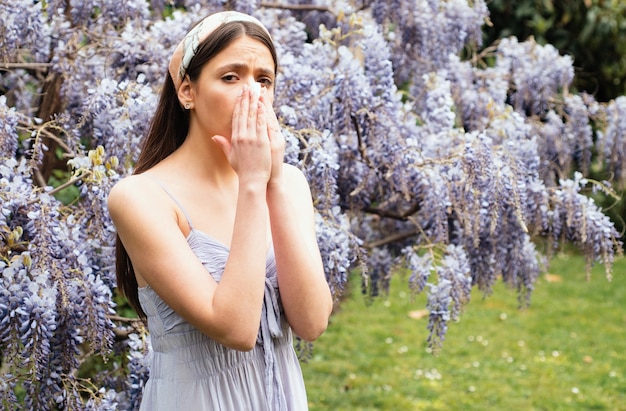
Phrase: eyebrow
[241,66]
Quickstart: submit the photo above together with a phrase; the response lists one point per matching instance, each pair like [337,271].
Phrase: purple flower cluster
[9,120]
[138,368]
[419,266]
[447,298]
[53,299]
[118,109]
[578,219]
[23,34]
[611,139]
[424,34]
[537,74]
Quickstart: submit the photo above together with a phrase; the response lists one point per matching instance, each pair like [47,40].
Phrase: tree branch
[122,334]
[68,183]
[43,67]
[43,130]
[403,216]
[391,239]
[361,143]
[130,320]
[296,7]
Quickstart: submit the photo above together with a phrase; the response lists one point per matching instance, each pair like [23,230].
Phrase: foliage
[456,174]
[593,32]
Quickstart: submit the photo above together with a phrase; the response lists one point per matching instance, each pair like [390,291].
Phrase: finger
[261,121]
[236,113]
[240,114]
[253,105]
[268,104]
[223,143]
[272,120]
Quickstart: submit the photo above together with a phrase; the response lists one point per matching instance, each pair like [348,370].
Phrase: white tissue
[256,89]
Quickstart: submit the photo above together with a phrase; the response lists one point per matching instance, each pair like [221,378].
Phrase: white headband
[187,48]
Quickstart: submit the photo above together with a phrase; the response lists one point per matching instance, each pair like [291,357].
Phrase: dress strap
[175,200]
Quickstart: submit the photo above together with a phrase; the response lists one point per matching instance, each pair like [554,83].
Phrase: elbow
[312,332]
[316,333]
[312,329]
[242,342]
[243,345]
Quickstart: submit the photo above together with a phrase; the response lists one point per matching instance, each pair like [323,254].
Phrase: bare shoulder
[136,194]
[295,175]
[128,190]
[123,187]
[145,217]
[297,188]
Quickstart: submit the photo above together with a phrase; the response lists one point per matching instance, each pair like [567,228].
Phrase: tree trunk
[51,103]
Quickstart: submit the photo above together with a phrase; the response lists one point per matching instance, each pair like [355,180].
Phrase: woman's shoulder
[140,201]
[136,189]
[128,186]
[293,173]
[296,181]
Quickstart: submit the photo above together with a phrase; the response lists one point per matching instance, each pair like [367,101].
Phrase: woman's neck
[201,160]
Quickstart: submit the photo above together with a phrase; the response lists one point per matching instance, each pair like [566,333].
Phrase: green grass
[567,351]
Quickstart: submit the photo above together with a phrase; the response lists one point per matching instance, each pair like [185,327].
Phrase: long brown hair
[169,128]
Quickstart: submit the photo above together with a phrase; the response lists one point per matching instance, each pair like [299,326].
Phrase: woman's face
[244,61]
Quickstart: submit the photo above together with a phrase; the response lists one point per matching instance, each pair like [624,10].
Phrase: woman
[217,247]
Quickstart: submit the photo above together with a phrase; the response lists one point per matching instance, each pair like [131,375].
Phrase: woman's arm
[304,291]
[148,224]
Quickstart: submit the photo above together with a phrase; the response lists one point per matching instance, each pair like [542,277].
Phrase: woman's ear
[185,94]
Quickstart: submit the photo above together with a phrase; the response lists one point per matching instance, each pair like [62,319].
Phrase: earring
[187,106]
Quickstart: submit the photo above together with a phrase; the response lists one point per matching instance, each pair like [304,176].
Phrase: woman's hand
[248,150]
[277,141]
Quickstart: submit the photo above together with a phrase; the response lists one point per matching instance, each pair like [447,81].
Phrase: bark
[51,103]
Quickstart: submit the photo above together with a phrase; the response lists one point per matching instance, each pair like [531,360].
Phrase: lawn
[566,351]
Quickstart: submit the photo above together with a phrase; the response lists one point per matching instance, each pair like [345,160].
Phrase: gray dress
[191,372]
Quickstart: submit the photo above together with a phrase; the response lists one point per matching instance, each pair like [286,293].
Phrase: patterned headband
[187,48]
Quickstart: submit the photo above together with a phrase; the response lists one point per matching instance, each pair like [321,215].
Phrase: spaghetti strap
[175,200]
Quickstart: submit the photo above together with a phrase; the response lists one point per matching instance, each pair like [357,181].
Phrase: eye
[229,77]
[265,81]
